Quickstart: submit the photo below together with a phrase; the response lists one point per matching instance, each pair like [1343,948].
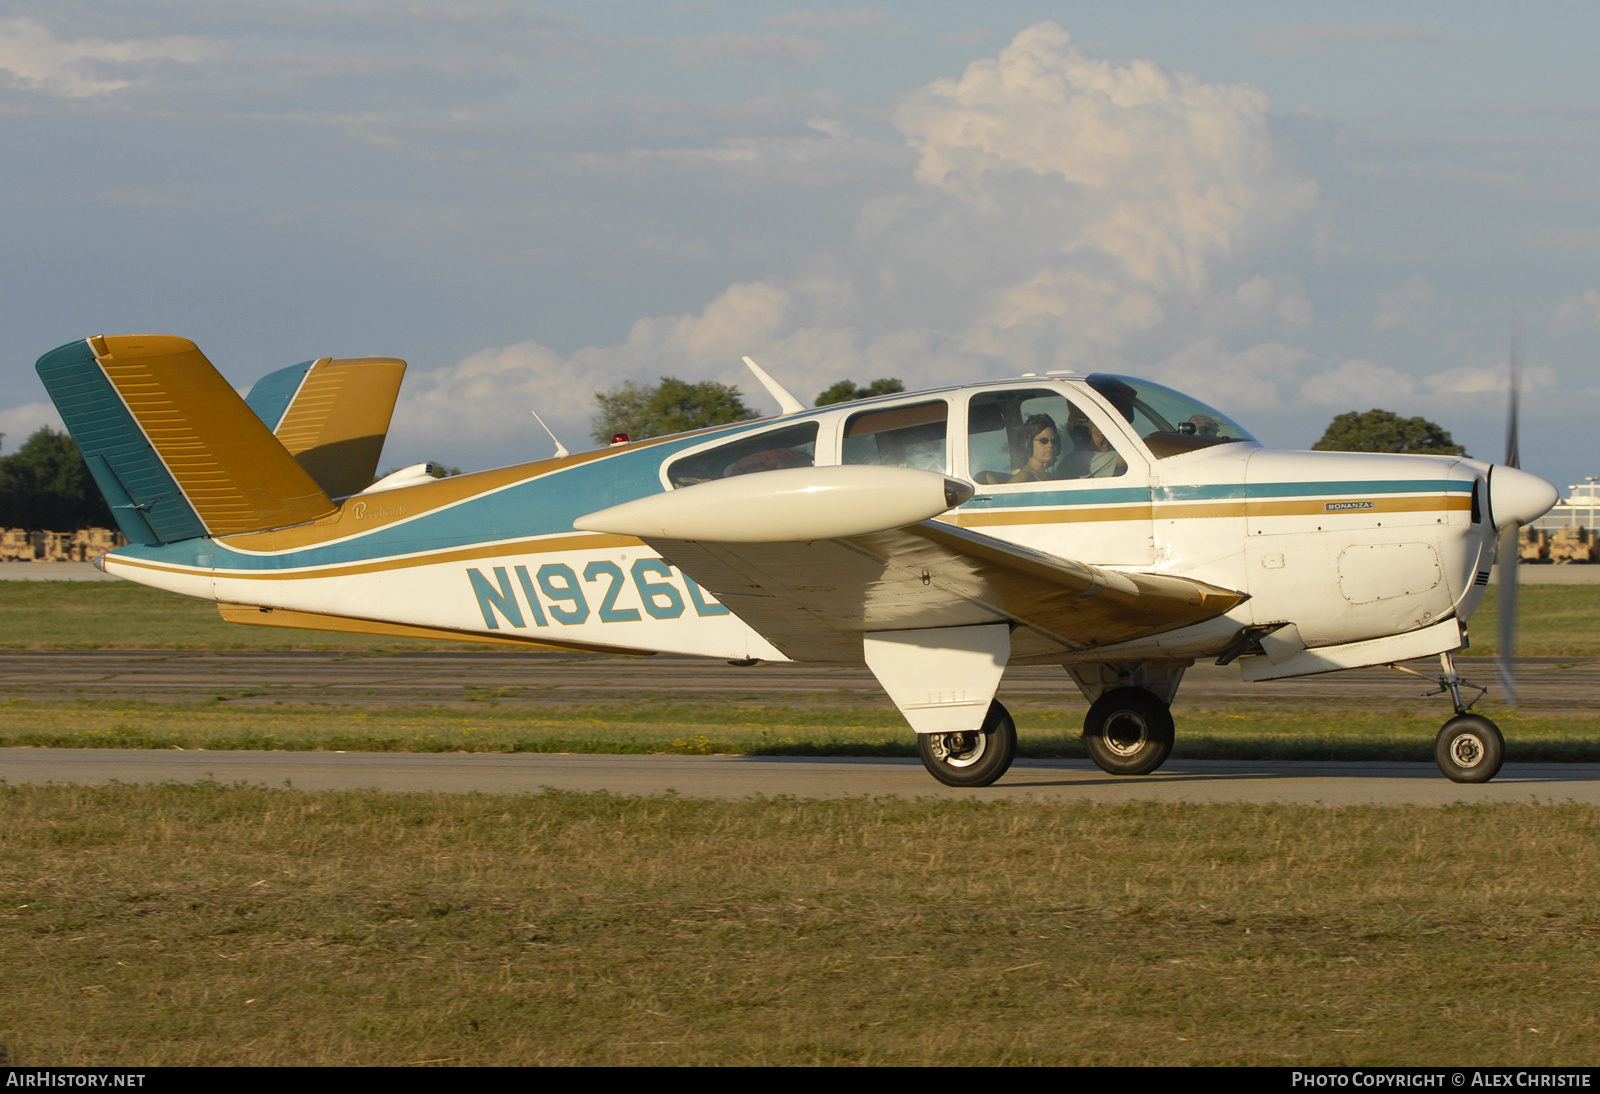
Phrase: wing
[814,601]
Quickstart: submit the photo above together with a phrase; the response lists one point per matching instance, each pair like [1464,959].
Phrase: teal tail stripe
[143,497]
[271,395]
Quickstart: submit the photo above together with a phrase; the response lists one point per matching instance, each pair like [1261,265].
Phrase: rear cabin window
[795,446]
[899,436]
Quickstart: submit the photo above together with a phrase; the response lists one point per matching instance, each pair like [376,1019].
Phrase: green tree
[46,485]
[846,391]
[1386,431]
[672,406]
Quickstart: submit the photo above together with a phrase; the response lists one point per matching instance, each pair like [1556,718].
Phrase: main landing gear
[975,758]
[1128,731]
[1469,748]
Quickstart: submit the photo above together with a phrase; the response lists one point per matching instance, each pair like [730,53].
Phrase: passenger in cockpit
[1042,449]
[1105,463]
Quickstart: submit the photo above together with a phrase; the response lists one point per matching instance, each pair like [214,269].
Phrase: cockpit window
[1170,422]
[795,446]
[1035,435]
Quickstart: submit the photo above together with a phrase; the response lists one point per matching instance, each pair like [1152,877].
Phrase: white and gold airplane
[1109,525]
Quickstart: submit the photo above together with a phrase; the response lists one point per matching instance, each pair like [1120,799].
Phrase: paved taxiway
[741,776]
[517,679]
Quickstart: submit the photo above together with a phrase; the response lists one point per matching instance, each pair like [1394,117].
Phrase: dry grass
[208,925]
[1555,621]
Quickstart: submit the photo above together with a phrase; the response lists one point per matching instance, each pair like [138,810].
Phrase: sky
[1288,210]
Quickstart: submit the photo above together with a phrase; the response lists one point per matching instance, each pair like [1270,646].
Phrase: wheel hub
[1467,750]
[1126,733]
[959,749]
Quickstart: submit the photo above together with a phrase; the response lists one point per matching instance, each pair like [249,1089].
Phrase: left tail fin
[332,416]
[172,446]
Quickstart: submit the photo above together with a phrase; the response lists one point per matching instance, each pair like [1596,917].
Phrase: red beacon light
[619,438]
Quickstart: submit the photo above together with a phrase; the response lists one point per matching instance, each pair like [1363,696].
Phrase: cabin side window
[794,446]
[899,436]
[1035,435]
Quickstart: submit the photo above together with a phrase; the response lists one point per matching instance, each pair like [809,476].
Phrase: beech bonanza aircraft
[1102,523]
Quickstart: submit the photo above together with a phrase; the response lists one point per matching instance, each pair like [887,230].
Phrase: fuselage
[1346,547]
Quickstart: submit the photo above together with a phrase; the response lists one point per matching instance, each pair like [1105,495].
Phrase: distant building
[1578,509]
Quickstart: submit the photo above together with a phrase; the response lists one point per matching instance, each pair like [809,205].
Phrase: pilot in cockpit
[1041,449]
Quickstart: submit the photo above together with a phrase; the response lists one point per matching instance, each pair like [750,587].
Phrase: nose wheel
[1469,747]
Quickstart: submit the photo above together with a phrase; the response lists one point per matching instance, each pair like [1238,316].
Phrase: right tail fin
[332,416]
[172,446]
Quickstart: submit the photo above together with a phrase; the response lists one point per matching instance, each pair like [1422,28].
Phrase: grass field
[1045,730]
[209,925]
[95,615]
[1554,621]
[1558,620]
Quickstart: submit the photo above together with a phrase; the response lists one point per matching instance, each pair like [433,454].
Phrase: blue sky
[1289,210]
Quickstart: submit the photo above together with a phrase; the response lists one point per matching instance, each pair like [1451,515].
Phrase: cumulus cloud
[21,422]
[1408,305]
[1055,207]
[1257,378]
[488,394]
[732,48]
[1259,299]
[1166,171]
[1353,382]
[1581,310]
[1480,380]
[34,59]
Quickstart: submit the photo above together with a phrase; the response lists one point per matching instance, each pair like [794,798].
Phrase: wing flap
[814,600]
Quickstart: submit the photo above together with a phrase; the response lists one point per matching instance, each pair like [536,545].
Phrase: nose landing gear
[1469,747]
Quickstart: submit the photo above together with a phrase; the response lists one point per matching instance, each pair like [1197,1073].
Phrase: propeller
[1505,550]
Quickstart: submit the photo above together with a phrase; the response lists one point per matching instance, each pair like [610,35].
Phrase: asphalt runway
[1306,783]
[1548,685]
[514,679]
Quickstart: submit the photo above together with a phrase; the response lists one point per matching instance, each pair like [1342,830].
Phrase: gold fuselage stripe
[252,616]
[1201,510]
[597,541]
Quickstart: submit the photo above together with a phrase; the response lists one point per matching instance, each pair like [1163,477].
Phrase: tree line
[45,484]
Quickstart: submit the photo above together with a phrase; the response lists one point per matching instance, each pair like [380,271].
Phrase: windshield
[1170,422]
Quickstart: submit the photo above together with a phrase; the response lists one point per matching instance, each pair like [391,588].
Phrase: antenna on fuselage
[787,404]
[561,449]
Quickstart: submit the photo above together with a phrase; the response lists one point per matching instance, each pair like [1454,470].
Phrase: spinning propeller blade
[1505,552]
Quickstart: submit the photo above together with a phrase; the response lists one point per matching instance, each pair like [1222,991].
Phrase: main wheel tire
[1469,749]
[1128,732]
[976,758]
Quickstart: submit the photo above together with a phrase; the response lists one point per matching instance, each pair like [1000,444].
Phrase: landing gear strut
[1469,748]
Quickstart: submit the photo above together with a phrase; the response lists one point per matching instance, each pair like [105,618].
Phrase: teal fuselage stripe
[1237,491]
[548,505]
[542,507]
[271,395]
[142,494]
